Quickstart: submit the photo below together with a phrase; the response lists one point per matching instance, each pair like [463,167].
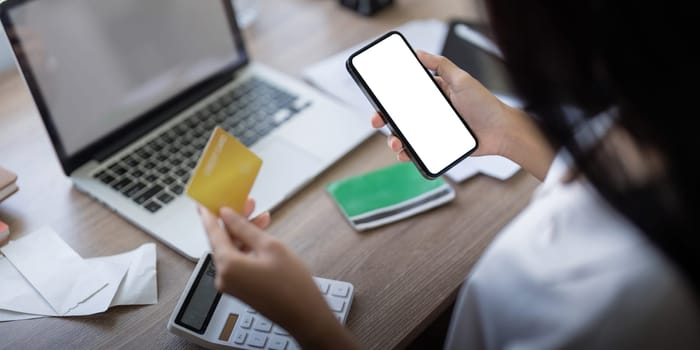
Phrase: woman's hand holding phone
[483,111]
[502,130]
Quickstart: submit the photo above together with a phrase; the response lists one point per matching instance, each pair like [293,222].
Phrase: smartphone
[405,94]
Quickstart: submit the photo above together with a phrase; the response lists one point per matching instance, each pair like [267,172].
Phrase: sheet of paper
[18,295]
[131,280]
[16,316]
[139,286]
[55,270]
[494,166]
[114,273]
[428,35]
[24,299]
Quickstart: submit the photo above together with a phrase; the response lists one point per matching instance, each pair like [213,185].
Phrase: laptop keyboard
[157,172]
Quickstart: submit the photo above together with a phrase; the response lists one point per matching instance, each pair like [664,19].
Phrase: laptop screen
[100,64]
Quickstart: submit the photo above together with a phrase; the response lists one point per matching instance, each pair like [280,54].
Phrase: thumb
[443,67]
[239,227]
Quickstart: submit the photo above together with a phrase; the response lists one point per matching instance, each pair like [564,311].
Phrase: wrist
[524,143]
[326,333]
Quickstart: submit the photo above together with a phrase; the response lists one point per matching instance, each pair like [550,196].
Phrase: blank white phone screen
[415,104]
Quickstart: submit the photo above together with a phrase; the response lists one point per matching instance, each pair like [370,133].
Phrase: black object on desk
[484,66]
[366,7]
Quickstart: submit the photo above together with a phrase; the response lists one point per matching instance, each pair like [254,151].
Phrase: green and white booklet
[387,195]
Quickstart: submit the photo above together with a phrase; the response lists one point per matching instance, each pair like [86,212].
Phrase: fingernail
[226,211]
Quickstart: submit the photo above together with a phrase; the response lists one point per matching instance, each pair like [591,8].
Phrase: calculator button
[340,290]
[257,340]
[280,331]
[252,311]
[323,286]
[277,343]
[263,325]
[240,337]
[247,321]
[335,304]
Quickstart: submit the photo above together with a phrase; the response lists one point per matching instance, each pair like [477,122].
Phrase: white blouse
[571,272]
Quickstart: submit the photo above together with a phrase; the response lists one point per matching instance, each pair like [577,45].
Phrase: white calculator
[219,321]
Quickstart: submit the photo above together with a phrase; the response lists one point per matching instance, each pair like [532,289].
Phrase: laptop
[130,91]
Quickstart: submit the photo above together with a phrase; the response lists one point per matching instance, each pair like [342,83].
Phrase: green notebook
[387,195]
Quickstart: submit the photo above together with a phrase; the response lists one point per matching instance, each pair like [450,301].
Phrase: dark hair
[632,57]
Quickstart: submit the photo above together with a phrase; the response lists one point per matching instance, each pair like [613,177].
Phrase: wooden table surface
[404,274]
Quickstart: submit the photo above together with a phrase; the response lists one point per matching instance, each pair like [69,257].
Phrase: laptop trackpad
[284,170]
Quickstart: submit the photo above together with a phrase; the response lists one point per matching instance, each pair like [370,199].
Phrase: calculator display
[201,300]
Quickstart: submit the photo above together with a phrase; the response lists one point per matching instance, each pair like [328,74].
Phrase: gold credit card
[224,174]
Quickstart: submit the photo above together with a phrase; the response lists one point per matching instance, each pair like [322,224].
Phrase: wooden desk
[404,274]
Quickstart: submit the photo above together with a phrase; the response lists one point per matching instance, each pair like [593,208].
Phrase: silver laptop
[130,91]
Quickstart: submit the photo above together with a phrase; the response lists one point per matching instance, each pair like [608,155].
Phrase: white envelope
[139,286]
[130,276]
[494,166]
[21,298]
[55,270]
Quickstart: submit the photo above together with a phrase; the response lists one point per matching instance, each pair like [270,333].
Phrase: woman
[604,256]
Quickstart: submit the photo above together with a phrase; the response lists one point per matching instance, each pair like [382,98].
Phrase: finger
[262,221]
[249,207]
[394,143]
[441,65]
[403,156]
[218,238]
[239,227]
[377,121]
[443,85]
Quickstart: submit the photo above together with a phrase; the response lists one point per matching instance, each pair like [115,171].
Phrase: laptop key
[137,173]
[121,184]
[191,122]
[156,147]
[144,154]
[202,116]
[134,189]
[131,161]
[181,172]
[165,197]
[151,178]
[168,180]
[177,189]
[107,179]
[147,194]
[118,169]
[152,206]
